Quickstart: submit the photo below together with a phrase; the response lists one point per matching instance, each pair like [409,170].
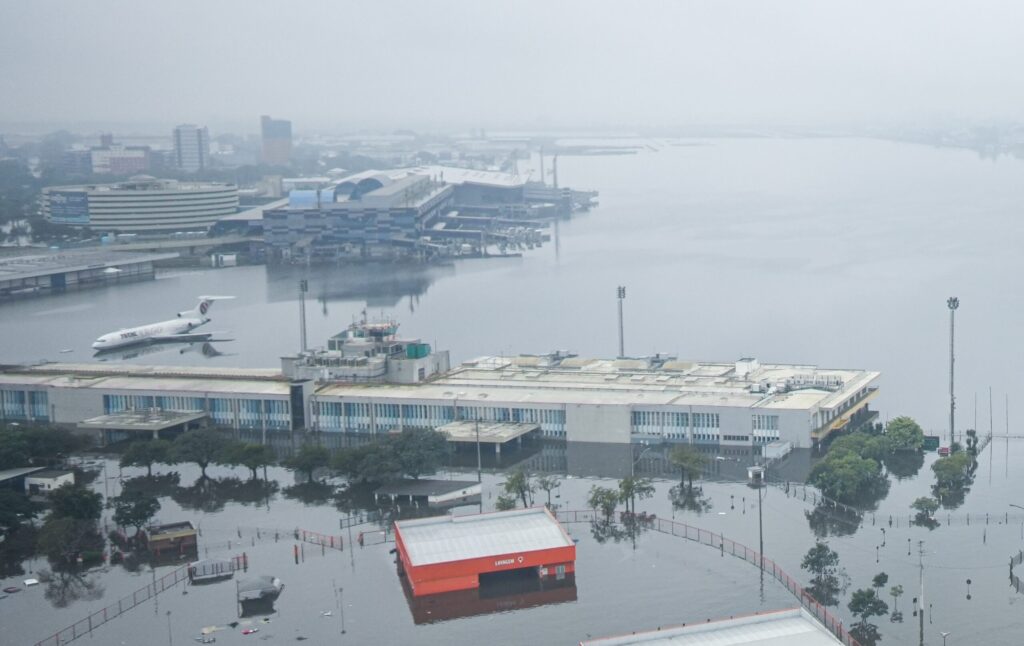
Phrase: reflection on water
[379,285]
[517,591]
[63,587]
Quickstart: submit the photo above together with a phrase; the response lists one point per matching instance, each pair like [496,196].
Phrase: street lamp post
[621,294]
[632,467]
[953,303]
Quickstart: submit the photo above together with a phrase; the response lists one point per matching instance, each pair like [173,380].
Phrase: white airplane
[177,329]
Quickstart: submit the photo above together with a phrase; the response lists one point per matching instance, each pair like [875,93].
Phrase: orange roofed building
[449,553]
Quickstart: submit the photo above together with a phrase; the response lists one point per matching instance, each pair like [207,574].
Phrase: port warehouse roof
[444,539]
[794,627]
[44,264]
[520,380]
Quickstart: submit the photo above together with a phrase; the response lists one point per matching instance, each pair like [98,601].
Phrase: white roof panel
[458,538]
[794,627]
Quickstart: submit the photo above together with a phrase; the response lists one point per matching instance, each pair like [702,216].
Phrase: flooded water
[839,253]
[620,586]
[834,252]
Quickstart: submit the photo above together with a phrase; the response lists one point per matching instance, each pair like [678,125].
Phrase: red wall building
[449,553]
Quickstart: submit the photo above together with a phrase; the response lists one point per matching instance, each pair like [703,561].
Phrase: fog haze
[330,65]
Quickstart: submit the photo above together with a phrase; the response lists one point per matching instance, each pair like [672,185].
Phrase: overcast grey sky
[339,65]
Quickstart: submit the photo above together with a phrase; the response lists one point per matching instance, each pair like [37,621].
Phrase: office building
[191,148]
[277,141]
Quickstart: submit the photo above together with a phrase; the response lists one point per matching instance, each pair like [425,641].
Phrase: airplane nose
[97,344]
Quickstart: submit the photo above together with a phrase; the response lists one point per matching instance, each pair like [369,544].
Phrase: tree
[904,434]
[829,579]
[249,455]
[518,485]
[847,477]
[134,510]
[632,488]
[866,604]
[308,459]
[689,460]
[146,454]
[926,508]
[201,446]
[547,484]
[15,509]
[895,592]
[63,539]
[420,451]
[605,499]
[879,581]
[71,501]
[504,503]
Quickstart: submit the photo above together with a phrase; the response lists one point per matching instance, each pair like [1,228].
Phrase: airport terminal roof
[54,262]
[486,432]
[458,538]
[456,175]
[794,627]
[576,380]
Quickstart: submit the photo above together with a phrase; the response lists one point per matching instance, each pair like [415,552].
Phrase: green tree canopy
[548,484]
[420,451]
[201,446]
[604,498]
[632,488]
[146,453]
[308,459]
[689,460]
[249,455]
[64,539]
[847,477]
[828,578]
[134,510]
[15,509]
[518,485]
[865,604]
[904,434]
[73,501]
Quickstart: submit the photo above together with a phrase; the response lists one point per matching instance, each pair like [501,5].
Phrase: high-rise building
[191,147]
[277,140]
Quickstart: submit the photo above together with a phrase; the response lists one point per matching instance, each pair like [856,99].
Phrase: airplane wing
[190,337]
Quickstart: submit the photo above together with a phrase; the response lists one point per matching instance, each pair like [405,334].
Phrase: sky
[334,66]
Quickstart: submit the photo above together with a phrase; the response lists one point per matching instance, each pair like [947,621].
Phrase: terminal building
[376,210]
[385,385]
[142,204]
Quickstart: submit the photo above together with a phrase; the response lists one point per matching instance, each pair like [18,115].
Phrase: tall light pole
[303,288]
[621,293]
[953,303]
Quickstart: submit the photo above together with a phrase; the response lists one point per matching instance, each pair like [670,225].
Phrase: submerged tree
[547,484]
[925,508]
[865,604]
[904,434]
[146,454]
[308,459]
[828,578]
[690,462]
[518,485]
[72,501]
[134,510]
[201,446]
[632,488]
[604,498]
[249,455]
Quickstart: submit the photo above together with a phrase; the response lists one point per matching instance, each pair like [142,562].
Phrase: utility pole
[303,288]
[920,599]
[476,423]
[621,292]
[953,303]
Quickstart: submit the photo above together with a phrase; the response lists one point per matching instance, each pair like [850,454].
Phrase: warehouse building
[61,271]
[143,204]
